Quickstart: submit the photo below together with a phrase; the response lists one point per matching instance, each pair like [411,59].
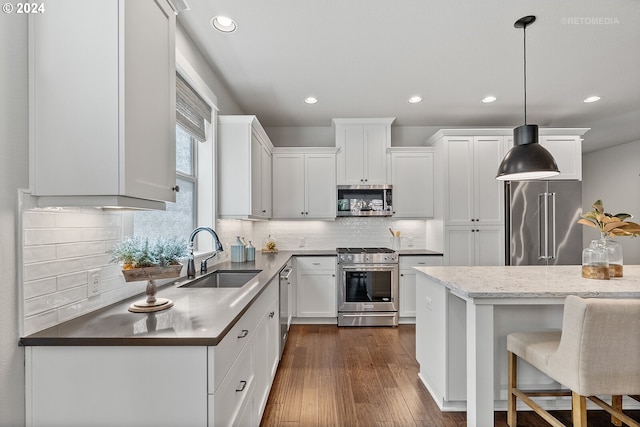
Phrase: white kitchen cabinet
[266,355]
[304,183]
[102,103]
[472,194]
[362,150]
[244,168]
[412,177]
[565,149]
[407,284]
[316,292]
[222,385]
[474,245]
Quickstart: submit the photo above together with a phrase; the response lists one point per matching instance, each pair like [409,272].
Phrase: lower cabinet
[223,385]
[407,284]
[474,245]
[316,292]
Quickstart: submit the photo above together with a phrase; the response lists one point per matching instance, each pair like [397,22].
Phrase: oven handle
[390,314]
[369,267]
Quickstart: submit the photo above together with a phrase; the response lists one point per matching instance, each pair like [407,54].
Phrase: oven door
[368,287]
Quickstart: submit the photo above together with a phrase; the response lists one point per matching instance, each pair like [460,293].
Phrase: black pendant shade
[527,159]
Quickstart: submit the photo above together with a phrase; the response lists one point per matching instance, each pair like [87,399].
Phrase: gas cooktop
[364,251]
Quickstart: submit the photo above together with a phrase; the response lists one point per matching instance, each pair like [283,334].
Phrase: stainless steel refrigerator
[542,223]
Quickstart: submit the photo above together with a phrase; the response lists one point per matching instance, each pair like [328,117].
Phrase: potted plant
[610,225]
[149,259]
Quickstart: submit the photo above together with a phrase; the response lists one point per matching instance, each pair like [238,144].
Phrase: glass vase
[614,250]
[595,261]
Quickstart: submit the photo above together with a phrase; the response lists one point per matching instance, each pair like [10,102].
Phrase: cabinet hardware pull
[402,275]
[272,314]
[315,263]
[176,188]
[243,334]
[422,263]
[301,213]
[264,210]
[243,384]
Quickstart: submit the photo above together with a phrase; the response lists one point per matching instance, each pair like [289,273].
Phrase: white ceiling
[365,58]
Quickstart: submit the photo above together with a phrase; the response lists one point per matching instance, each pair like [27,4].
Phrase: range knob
[350,257]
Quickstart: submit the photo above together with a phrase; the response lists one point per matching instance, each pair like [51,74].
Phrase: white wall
[13,175]
[613,175]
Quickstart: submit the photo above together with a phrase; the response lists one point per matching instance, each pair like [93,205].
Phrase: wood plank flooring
[364,377]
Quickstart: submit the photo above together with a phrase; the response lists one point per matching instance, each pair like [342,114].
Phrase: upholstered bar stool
[596,354]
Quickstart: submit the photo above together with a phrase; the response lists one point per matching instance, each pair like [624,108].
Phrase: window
[193,116]
[180,217]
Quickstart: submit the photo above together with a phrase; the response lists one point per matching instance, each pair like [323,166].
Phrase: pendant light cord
[524,32]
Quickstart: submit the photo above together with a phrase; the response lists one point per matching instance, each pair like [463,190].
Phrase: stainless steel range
[367,287]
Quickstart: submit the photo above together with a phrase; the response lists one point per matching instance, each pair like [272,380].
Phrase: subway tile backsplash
[59,247]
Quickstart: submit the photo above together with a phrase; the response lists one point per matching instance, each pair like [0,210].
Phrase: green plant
[612,225]
[135,252]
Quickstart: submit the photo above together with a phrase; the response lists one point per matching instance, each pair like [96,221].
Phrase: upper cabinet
[244,168]
[362,150]
[304,183]
[412,177]
[102,103]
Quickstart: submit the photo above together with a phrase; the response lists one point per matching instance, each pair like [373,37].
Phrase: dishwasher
[286,276]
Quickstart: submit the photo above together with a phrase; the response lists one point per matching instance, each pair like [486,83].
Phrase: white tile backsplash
[60,246]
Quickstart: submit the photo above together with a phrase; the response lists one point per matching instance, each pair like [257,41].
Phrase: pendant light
[527,159]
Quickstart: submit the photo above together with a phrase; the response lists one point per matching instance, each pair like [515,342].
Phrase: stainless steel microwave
[365,200]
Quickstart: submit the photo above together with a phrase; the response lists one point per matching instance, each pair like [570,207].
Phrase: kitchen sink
[222,279]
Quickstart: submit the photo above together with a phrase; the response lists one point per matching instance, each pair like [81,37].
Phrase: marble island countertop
[532,282]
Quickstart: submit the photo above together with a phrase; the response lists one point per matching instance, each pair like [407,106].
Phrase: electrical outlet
[301,242]
[427,303]
[94,283]
[410,241]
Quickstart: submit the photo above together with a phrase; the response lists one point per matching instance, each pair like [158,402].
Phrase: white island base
[463,315]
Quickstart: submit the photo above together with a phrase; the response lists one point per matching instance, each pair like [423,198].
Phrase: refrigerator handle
[553,225]
[542,226]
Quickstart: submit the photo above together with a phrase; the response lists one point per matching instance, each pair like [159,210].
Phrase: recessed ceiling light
[592,99]
[415,99]
[488,99]
[224,24]
[311,100]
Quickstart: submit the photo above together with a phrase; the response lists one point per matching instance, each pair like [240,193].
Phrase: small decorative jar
[237,251]
[614,250]
[595,261]
[270,245]
[251,252]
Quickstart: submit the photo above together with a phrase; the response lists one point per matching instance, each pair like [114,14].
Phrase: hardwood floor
[364,377]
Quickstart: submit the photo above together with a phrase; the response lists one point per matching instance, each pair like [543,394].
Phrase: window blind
[191,109]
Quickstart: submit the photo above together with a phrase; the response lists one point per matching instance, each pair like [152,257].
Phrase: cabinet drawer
[407,262]
[236,386]
[221,357]
[316,262]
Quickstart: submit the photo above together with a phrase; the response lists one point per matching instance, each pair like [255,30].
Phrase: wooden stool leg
[512,382]
[616,403]
[579,410]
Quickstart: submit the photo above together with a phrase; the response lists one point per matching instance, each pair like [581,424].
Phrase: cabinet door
[459,245]
[352,149]
[289,186]
[567,151]
[320,186]
[266,354]
[375,154]
[489,246]
[488,191]
[459,177]
[412,180]
[149,102]
[316,293]
[407,291]
[265,183]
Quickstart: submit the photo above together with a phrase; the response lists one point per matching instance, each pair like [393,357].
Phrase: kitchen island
[465,313]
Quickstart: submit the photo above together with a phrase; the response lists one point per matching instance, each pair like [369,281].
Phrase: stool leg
[579,410]
[616,403]
[512,382]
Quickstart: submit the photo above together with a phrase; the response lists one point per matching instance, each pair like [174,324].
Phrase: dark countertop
[418,252]
[199,316]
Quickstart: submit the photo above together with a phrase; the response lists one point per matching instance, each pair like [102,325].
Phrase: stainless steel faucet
[191,268]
